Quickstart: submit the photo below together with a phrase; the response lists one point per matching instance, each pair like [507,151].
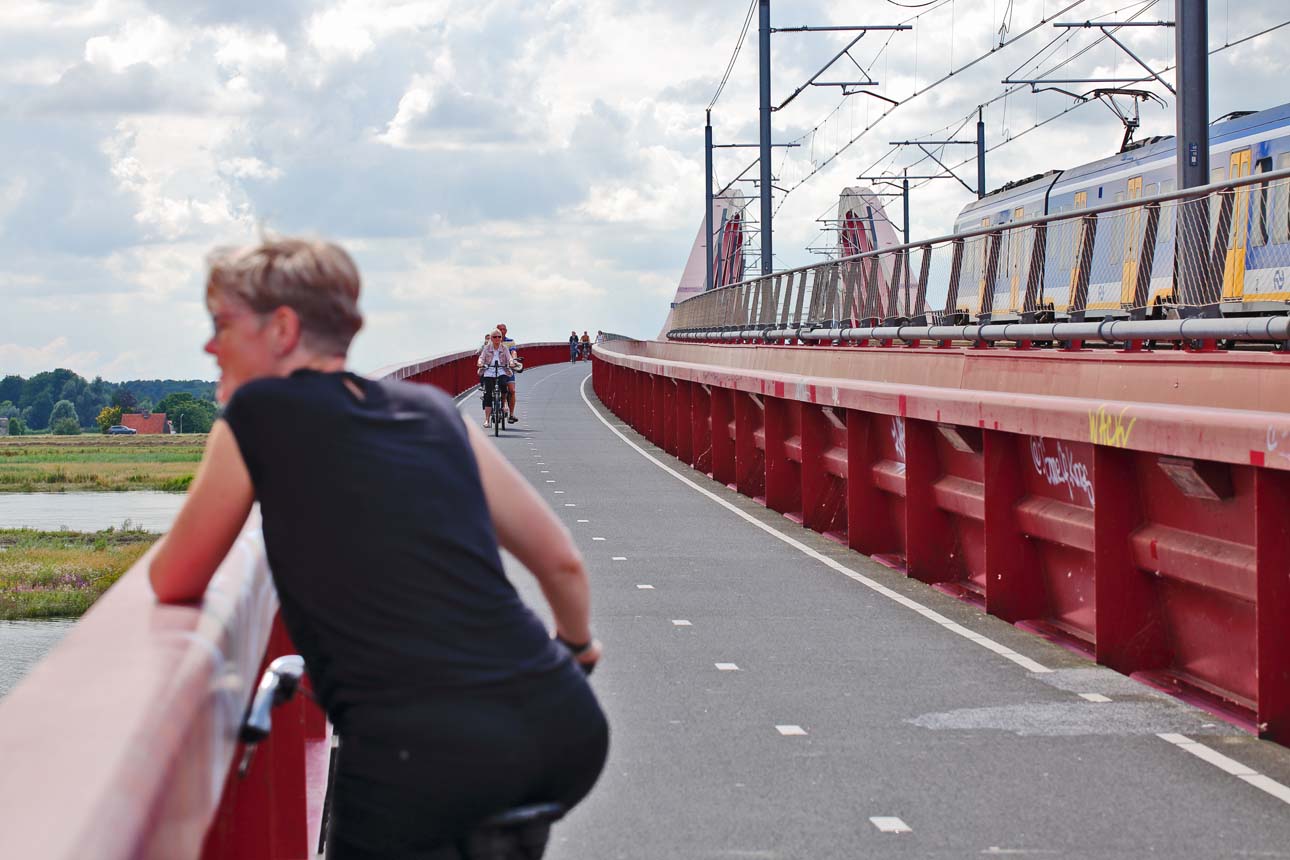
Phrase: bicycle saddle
[516,834]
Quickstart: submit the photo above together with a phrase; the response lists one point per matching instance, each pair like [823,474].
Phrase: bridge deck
[914,706]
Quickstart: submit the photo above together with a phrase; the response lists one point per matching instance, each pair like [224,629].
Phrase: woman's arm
[529,530]
[209,522]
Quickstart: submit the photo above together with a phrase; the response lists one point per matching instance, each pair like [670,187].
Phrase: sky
[534,163]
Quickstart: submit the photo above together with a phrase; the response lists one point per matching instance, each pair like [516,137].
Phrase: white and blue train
[1256,256]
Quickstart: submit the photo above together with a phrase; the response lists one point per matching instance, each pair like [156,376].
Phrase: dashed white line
[971,635]
[550,480]
[584,521]
[680,622]
[790,731]
[890,824]
[570,505]
[618,558]
[557,492]
[1229,765]
[1094,697]
[644,587]
[726,667]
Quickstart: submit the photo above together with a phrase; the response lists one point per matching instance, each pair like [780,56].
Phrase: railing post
[1083,267]
[1146,262]
[1035,276]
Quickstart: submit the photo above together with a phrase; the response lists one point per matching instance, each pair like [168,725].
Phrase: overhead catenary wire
[1041,55]
[953,71]
[1143,79]
[743,34]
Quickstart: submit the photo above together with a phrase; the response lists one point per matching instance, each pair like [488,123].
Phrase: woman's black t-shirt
[380,540]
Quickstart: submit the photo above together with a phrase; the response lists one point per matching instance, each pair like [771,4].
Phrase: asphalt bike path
[774,695]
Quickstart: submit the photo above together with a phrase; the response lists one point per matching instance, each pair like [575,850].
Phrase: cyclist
[586,347]
[510,378]
[452,701]
[494,367]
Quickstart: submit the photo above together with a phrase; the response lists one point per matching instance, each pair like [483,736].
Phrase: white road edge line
[972,636]
[1229,765]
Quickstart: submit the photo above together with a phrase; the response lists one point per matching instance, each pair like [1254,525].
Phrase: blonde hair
[314,278]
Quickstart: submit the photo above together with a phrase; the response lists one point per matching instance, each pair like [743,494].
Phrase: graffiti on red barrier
[1110,428]
[1062,470]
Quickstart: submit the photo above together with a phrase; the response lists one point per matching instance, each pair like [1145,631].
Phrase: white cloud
[148,40]
[240,50]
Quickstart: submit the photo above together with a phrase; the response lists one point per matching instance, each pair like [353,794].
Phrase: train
[1255,258]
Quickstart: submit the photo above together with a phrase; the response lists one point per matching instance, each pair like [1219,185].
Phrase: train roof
[1150,149]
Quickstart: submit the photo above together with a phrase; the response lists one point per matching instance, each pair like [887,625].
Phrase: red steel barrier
[1132,506]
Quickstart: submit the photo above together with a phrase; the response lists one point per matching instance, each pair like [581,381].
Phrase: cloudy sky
[535,162]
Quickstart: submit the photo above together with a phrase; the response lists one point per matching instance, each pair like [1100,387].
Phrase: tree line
[63,403]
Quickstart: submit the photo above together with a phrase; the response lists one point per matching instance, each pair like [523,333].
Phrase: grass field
[96,462]
[60,574]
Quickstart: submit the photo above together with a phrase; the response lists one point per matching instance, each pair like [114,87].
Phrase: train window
[1218,174]
[1279,206]
[1167,210]
[1259,213]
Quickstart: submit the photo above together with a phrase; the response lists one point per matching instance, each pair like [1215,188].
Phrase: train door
[1132,244]
[1234,267]
[1081,202]
[1016,258]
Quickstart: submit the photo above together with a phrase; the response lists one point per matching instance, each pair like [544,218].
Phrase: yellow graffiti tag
[1108,428]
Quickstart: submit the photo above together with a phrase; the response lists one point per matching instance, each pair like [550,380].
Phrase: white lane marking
[890,824]
[557,492]
[618,558]
[726,667]
[680,622]
[543,471]
[1094,697]
[550,480]
[971,635]
[644,587]
[584,521]
[790,731]
[597,538]
[1229,765]
[570,505]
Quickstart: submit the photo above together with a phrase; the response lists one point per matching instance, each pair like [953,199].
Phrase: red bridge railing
[1134,507]
[121,744]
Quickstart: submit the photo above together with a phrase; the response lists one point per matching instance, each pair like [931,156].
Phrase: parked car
[121,430]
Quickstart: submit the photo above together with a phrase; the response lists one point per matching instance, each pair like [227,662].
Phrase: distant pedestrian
[586,346]
[573,346]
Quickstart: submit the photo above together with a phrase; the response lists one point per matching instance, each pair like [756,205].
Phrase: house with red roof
[146,422]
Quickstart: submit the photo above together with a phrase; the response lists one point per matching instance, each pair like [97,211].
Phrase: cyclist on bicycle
[509,342]
[382,520]
[494,366]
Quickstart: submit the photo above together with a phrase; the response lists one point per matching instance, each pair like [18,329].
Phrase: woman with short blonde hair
[382,512]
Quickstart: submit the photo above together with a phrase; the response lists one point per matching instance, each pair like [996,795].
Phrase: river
[24,643]
[89,512]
